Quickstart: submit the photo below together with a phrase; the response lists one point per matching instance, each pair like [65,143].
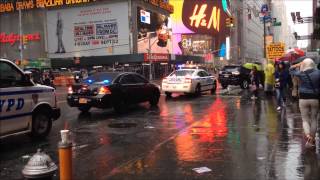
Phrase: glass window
[205,74]
[182,73]
[140,79]
[9,76]
[128,79]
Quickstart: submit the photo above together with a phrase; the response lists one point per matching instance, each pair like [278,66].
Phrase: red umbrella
[297,51]
[292,55]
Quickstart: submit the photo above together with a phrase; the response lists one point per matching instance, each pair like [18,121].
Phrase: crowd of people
[302,81]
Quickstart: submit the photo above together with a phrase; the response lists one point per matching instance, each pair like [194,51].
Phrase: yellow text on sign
[275,50]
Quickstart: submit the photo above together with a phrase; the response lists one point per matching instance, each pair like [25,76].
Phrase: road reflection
[210,130]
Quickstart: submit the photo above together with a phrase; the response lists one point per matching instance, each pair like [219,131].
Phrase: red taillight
[187,80]
[104,90]
[70,90]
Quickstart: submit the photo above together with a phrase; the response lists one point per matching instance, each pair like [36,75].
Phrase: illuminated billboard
[200,17]
[154,32]
[96,30]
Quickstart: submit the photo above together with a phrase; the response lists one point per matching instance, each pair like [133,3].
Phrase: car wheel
[224,86]
[154,99]
[197,91]
[119,106]
[213,90]
[41,124]
[168,94]
[84,109]
[244,84]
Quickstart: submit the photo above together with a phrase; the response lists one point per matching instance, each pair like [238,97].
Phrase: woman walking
[254,83]
[281,82]
[309,94]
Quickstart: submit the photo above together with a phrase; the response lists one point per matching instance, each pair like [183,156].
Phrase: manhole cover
[122,125]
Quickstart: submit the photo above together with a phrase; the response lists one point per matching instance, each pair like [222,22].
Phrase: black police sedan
[112,89]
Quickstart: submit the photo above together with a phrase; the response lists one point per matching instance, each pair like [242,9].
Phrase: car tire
[224,86]
[84,109]
[41,124]
[213,90]
[244,84]
[154,100]
[197,91]
[119,106]
[168,94]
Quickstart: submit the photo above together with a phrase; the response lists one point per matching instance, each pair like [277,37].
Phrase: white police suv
[25,107]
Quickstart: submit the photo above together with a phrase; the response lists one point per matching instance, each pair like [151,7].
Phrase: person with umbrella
[309,96]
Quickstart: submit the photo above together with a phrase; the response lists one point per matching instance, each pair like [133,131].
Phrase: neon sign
[198,17]
[204,17]
[31,4]
[13,38]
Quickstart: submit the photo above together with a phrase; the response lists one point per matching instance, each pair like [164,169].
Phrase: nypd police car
[25,107]
[189,80]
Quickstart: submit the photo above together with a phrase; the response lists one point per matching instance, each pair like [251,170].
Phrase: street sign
[275,50]
[276,24]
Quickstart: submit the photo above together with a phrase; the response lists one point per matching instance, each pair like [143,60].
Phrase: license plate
[226,75]
[83,101]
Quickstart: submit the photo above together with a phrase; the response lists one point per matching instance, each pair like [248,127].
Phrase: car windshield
[106,77]
[231,68]
[182,73]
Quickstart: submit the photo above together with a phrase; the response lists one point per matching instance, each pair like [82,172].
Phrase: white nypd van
[25,107]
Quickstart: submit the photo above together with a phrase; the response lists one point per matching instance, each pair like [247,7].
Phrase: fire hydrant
[39,166]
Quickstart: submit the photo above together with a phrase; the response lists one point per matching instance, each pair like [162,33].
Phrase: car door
[130,88]
[15,101]
[208,80]
[202,80]
[144,90]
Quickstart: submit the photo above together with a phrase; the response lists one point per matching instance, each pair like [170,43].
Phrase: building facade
[282,33]
[86,33]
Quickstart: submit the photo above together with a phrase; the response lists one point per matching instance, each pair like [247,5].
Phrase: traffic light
[230,22]
[24,40]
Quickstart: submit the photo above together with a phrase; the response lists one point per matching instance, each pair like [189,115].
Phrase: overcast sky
[305,9]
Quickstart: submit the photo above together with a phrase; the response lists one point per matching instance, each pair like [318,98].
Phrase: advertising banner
[199,17]
[275,50]
[154,32]
[88,31]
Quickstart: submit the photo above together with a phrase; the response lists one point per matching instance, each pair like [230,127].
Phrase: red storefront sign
[156,57]
[13,38]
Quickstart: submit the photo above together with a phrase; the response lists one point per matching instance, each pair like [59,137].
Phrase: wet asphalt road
[235,137]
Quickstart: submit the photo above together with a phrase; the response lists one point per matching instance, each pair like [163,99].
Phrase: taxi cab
[25,107]
[189,81]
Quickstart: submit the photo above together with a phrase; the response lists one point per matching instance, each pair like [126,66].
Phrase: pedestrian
[281,76]
[254,82]
[309,94]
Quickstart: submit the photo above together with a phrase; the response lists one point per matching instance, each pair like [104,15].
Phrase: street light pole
[21,36]
[149,57]
[264,37]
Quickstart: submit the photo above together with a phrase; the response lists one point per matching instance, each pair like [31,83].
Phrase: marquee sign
[156,57]
[162,4]
[13,38]
[33,4]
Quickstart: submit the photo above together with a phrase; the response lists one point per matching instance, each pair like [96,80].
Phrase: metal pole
[21,36]
[149,57]
[264,37]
